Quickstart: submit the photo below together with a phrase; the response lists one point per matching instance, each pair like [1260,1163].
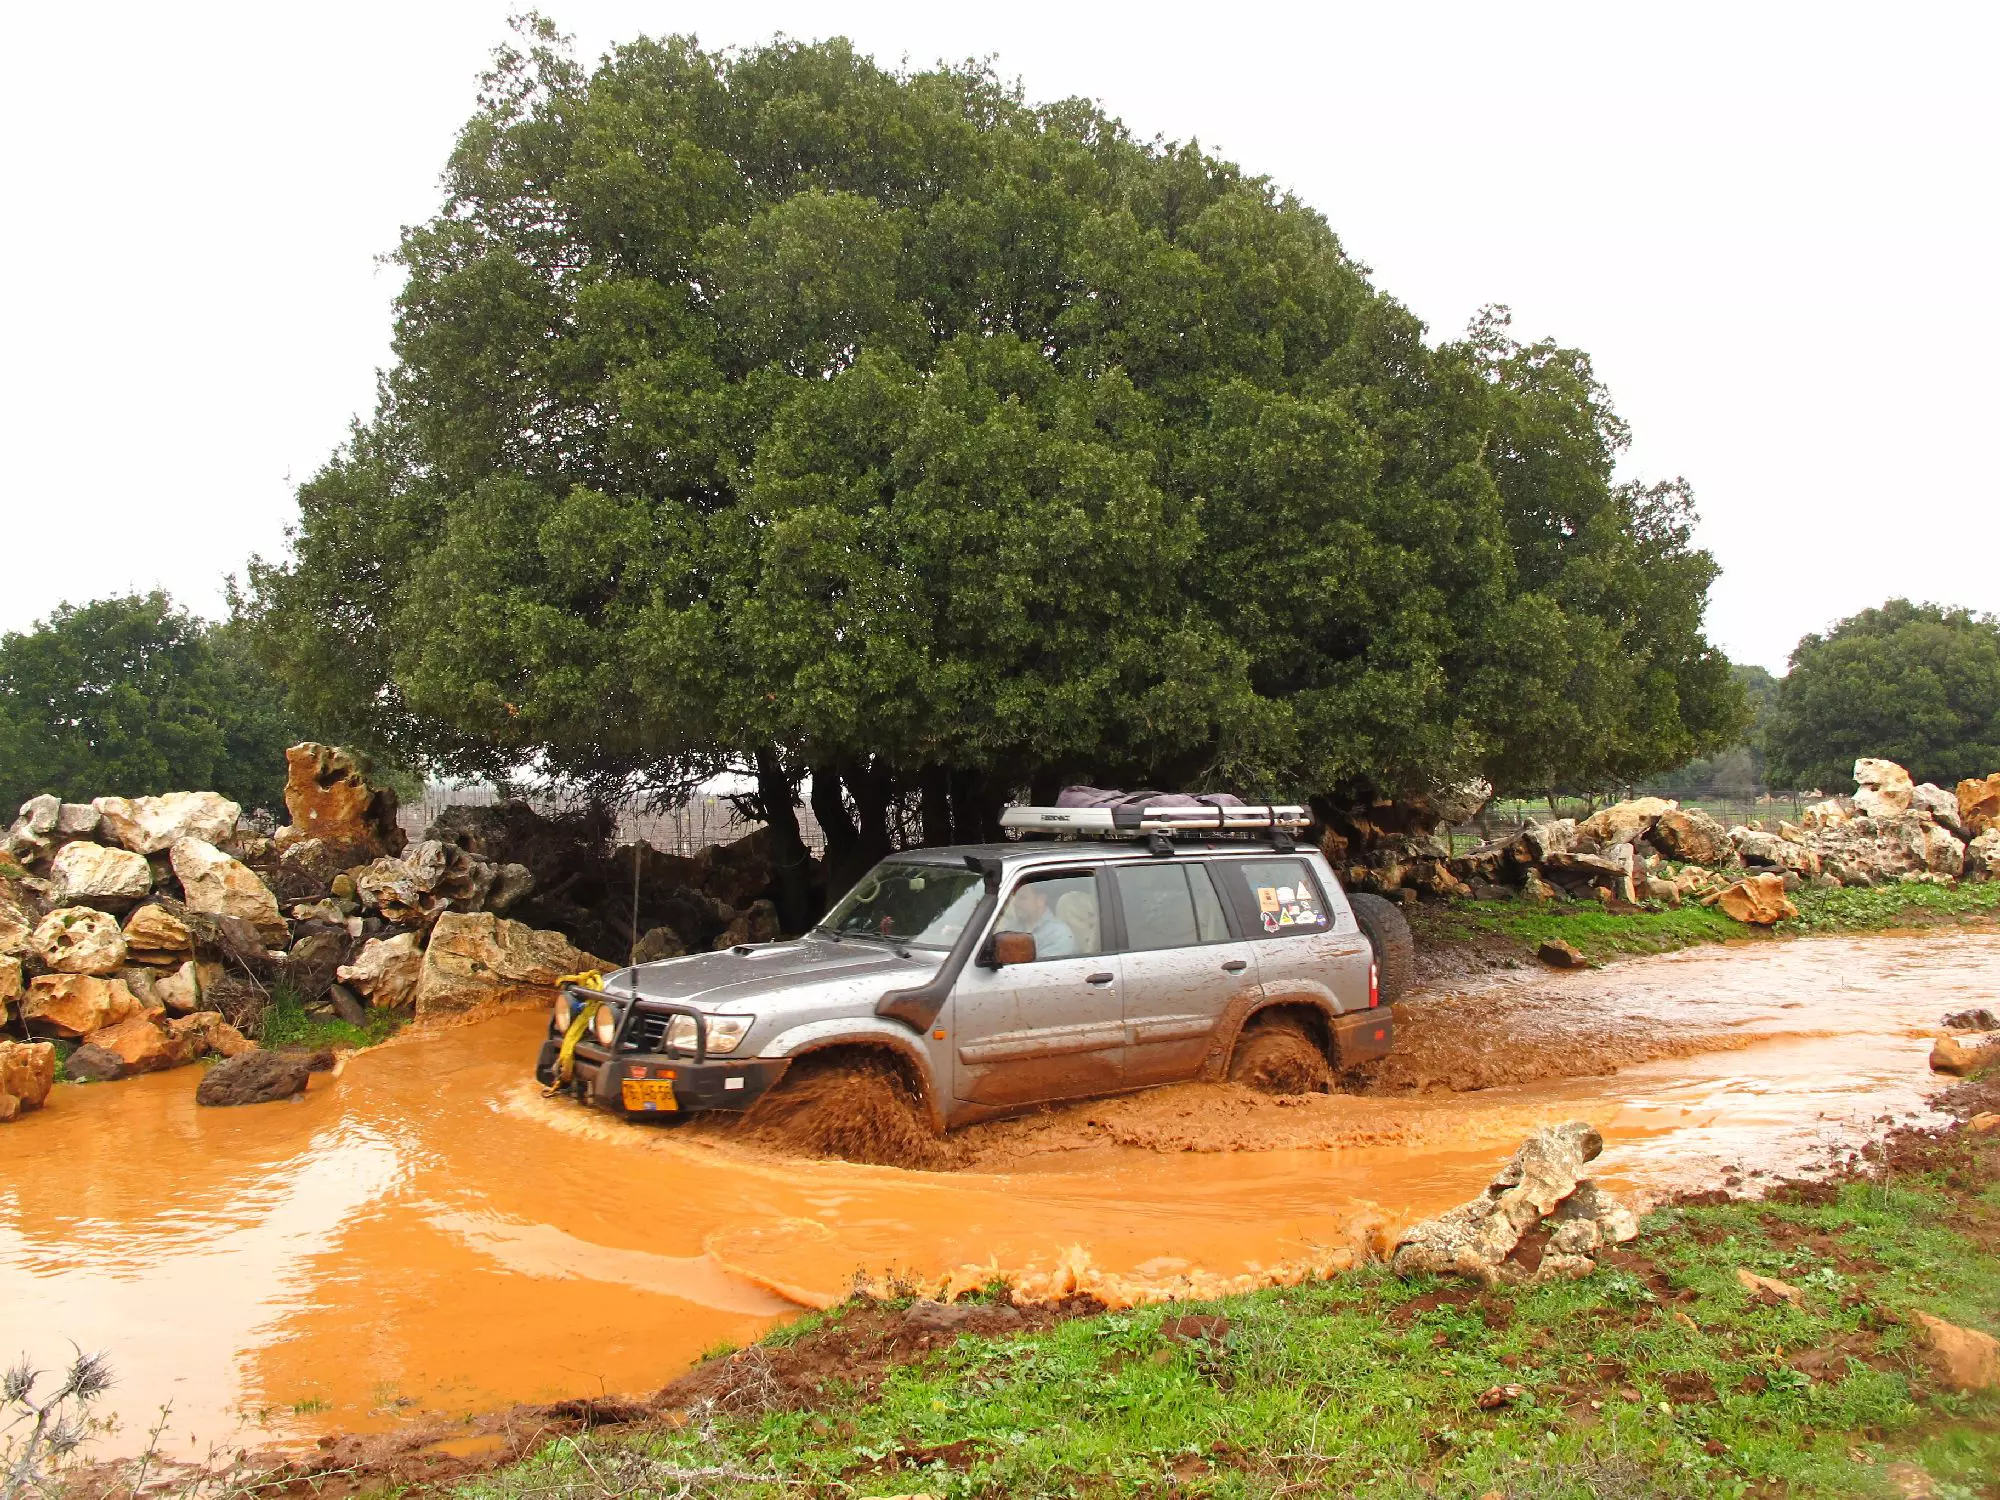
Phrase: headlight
[604,1025]
[563,1013]
[724,1032]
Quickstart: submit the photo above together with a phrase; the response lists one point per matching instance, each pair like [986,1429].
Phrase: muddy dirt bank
[424,1235]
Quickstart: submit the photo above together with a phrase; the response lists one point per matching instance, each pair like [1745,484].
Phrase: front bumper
[599,1078]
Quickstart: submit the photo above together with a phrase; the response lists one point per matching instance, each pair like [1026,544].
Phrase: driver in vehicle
[1029,912]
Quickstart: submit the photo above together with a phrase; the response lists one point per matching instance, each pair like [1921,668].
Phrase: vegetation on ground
[285,1022]
[770,408]
[131,696]
[1660,1375]
[1599,934]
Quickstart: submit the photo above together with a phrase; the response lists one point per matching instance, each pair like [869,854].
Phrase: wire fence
[713,819]
[684,829]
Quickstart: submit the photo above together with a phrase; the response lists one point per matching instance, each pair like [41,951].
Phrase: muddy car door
[1182,967]
[1051,1028]
[1306,938]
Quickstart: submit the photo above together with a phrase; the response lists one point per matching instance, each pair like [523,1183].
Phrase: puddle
[425,1235]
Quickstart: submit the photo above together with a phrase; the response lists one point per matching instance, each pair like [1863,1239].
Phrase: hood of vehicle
[759,976]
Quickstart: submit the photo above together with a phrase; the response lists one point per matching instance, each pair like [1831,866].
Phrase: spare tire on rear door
[1389,933]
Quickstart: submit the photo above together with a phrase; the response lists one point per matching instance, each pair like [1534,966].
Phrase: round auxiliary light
[604,1025]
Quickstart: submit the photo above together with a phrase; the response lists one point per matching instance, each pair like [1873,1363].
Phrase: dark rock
[313,959]
[347,1005]
[1981,1019]
[657,943]
[89,1064]
[305,871]
[229,941]
[757,925]
[1560,955]
[255,1078]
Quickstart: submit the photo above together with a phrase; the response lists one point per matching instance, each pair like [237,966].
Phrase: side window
[1282,893]
[1209,921]
[1059,912]
[1170,906]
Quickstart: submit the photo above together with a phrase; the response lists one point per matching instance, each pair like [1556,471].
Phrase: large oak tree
[775,410]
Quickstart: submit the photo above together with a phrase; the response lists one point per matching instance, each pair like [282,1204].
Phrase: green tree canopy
[131,696]
[1918,684]
[1740,771]
[769,408]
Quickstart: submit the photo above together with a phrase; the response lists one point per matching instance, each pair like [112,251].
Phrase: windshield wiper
[901,945]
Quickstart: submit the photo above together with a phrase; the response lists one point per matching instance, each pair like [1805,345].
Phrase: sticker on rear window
[1296,908]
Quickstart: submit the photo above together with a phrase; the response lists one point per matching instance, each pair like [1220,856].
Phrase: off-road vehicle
[1183,943]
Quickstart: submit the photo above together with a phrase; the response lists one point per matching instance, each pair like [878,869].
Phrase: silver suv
[1005,975]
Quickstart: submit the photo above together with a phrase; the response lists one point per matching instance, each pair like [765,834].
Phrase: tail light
[1374,984]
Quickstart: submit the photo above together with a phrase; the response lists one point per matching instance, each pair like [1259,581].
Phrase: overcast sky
[1772,226]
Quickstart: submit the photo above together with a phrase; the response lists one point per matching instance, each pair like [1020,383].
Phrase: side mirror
[1008,948]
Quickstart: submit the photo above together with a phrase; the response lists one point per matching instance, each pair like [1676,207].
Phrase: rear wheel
[1278,1057]
[1388,933]
[856,1104]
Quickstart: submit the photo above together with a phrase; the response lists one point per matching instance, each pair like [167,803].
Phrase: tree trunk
[843,839]
[976,800]
[934,785]
[777,799]
[872,787]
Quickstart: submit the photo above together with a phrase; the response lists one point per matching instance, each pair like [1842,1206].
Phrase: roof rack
[1138,822]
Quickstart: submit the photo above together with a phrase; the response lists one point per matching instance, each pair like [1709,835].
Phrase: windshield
[919,905]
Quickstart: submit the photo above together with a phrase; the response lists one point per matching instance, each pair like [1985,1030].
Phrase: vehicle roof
[1079,851]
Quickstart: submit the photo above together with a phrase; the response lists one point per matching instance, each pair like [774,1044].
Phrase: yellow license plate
[649,1093]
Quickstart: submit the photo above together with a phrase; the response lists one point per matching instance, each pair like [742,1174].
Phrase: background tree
[772,410]
[1740,772]
[1918,684]
[131,696]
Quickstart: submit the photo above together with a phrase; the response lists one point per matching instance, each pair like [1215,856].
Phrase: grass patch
[287,1023]
[1859,909]
[1658,1376]
[1599,934]
[1586,926]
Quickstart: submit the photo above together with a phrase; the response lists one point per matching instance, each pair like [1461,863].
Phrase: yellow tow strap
[589,979]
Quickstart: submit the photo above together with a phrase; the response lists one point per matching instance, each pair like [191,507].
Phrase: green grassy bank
[1658,1376]
[1599,934]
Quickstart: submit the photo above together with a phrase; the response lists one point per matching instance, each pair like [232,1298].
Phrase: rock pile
[1652,852]
[152,931]
[1540,1220]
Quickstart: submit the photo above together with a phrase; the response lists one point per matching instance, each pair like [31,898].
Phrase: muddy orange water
[423,1234]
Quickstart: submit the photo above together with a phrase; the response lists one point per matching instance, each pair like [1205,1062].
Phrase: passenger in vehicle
[1028,911]
[1077,910]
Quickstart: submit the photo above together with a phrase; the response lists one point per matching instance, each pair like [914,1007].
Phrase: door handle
[1235,966]
[1099,978]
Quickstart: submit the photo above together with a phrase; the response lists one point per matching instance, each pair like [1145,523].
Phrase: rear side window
[1281,894]
[1170,906]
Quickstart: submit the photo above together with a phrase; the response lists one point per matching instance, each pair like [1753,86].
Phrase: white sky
[1772,225]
